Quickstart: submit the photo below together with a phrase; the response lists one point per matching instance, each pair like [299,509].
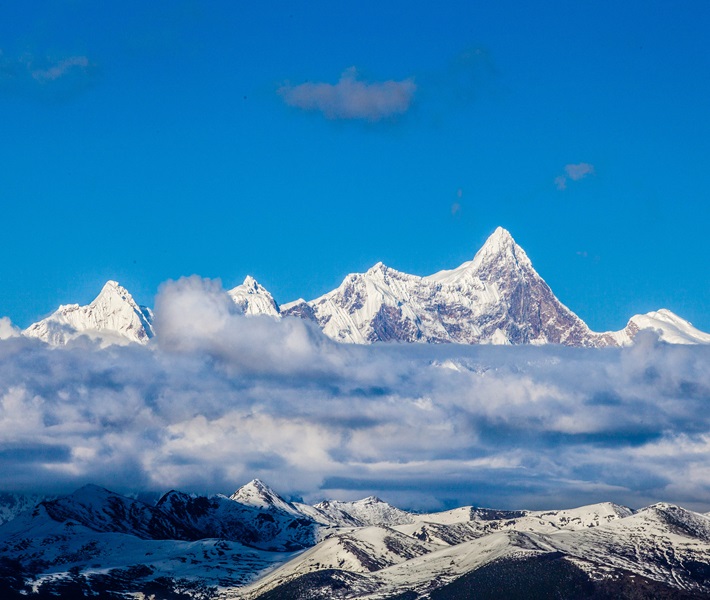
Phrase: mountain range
[496,298]
[256,545]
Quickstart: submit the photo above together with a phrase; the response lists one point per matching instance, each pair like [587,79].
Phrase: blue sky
[146,143]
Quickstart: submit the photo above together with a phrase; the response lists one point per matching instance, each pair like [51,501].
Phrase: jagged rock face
[253,299]
[299,308]
[113,317]
[495,298]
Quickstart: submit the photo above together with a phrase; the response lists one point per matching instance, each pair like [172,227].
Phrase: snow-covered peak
[113,317]
[498,252]
[671,328]
[377,269]
[254,299]
[250,282]
[368,511]
[501,245]
[112,287]
[256,493]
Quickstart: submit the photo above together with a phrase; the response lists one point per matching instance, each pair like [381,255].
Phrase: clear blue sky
[146,141]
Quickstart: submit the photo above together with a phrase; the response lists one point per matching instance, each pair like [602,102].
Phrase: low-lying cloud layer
[351,98]
[221,398]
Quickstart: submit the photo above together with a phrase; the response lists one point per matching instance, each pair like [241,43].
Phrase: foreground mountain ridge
[251,546]
[496,298]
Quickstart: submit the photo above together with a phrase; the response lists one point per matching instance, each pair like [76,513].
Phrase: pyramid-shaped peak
[371,500]
[257,493]
[501,233]
[250,282]
[113,289]
[501,245]
[258,484]
[499,240]
[378,267]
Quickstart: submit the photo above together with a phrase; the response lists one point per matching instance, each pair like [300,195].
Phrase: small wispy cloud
[60,68]
[573,172]
[561,182]
[45,78]
[352,98]
[456,206]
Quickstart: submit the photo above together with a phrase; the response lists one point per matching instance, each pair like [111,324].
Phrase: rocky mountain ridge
[496,298]
[250,546]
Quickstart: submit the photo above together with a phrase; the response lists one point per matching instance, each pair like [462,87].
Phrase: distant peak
[258,484]
[499,238]
[372,500]
[249,281]
[113,287]
[377,268]
[257,493]
[255,487]
[90,489]
[501,245]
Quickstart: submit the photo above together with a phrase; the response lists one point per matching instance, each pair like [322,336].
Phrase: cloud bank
[351,98]
[221,398]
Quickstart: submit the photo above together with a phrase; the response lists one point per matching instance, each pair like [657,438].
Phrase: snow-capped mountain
[369,511]
[600,551]
[671,328]
[253,298]
[496,298]
[112,317]
[95,542]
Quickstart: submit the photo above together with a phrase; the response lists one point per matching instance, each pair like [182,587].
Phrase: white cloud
[7,329]
[351,98]
[222,398]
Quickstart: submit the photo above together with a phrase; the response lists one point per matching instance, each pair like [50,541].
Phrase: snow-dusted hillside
[250,546]
[113,317]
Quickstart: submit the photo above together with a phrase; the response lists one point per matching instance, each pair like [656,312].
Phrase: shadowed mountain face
[95,542]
